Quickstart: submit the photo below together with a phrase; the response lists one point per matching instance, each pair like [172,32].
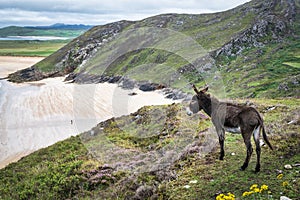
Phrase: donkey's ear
[205,89]
[195,89]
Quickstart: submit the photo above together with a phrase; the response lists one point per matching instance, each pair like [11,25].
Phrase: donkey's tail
[263,131]
[265,137]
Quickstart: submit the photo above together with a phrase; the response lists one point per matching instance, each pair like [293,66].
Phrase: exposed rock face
[150,86]
[84,47]
[270,22]
[31,74]
[127,84]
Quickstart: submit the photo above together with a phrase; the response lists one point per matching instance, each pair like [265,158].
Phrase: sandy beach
[36,115]
[10,64]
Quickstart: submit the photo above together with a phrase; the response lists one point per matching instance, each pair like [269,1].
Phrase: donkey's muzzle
[188,111]
[193,107]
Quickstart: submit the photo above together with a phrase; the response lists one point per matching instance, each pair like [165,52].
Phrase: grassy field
[71,169]
[59,31]
[30,48]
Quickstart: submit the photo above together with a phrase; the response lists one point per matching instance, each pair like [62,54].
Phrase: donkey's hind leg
[221,135]
[256,134]
[247,140]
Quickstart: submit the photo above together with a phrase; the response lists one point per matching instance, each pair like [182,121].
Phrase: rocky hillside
[254,47]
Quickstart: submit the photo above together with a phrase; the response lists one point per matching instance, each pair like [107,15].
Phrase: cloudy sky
[94,12]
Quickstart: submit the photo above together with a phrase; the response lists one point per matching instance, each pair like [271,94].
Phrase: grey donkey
[231,118]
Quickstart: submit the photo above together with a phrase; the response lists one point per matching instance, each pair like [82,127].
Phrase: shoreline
[38,114]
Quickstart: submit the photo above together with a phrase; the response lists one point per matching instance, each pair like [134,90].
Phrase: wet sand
[36,115]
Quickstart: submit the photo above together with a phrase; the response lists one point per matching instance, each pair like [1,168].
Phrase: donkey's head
[201,100]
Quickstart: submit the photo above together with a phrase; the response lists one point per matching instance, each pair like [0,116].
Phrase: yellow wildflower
[220,197]
[264,188]
[256,190]
[247,193]
[279,176]
[230,194]
[285,183]
[253,186]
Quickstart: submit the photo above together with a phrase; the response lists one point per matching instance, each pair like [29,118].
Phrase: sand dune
[36,115]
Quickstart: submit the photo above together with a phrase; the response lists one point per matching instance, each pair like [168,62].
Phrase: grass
[30,48]
[79,167]
[214,177]
[33,179]
[262,73]
[292,64]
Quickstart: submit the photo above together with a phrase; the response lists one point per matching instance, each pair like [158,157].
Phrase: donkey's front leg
[221,135]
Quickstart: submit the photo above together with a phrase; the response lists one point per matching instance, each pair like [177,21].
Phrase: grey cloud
[37,12]
[105,6]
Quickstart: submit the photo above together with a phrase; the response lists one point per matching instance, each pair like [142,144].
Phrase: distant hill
[254,47]
[62,26]
[58,30]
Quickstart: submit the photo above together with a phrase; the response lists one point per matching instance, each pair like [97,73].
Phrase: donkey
[231,118]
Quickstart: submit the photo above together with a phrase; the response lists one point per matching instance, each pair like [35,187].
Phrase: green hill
[58,30]
[254,48]
[63,34]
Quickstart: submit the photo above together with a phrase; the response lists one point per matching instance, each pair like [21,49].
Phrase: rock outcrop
[271,25]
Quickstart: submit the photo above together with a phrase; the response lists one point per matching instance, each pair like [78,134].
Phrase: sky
[97,12]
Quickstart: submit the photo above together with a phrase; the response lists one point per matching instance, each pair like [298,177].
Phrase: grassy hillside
[270,71]
[113,161]
[254,48]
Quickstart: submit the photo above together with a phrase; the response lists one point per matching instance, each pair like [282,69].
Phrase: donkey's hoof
[257,170]
[221,156]
[243,167]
